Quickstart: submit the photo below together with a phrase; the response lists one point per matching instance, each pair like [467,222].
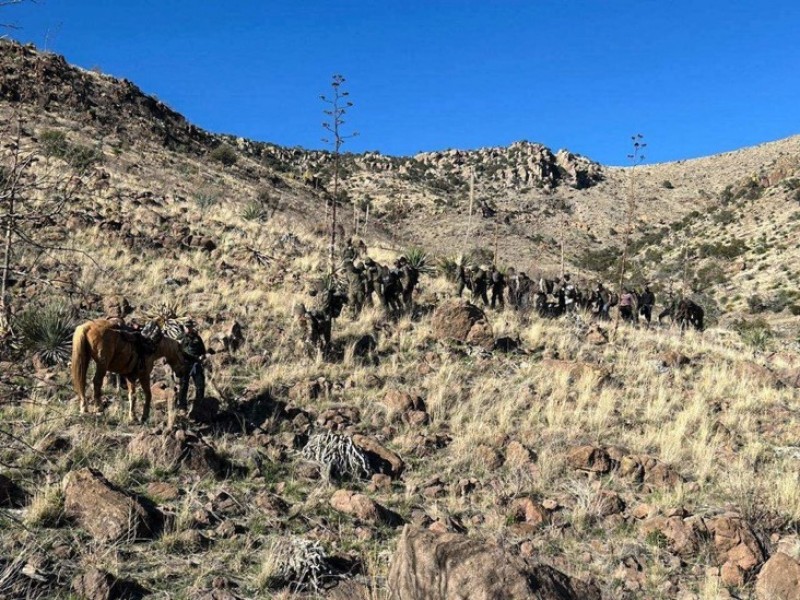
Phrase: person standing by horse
[194,350]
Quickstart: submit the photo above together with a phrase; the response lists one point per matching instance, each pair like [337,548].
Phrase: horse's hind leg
[97,383]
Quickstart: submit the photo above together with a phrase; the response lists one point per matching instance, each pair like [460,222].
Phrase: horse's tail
[80,359]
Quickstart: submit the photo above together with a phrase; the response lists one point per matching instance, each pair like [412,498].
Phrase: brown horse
[102,342]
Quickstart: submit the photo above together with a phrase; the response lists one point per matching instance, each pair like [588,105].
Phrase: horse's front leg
[97,383]
[144,379]
[131,383]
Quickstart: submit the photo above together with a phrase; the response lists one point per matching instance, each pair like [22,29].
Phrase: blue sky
[695,78]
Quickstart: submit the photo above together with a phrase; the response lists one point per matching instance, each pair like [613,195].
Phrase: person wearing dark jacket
[646,302]
[194,350]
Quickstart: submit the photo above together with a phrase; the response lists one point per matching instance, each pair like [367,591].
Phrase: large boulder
[106,512]
[177,449]
[449,566]
[462,322]
[779,579]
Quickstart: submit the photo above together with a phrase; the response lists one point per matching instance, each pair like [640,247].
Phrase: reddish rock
[107,513]
[381,459]
[590,458]
[779,579]
[449,566]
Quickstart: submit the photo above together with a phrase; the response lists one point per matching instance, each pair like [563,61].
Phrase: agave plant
[46,332]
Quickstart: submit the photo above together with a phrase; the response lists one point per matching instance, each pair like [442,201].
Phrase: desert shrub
[600,260]
[54,143]
[224,154]
[709,274]
[448,266]
[724,217]
[46,332]
[722,250]
[81,157]
[480,256]
[751,190]
[726,197]
[667,184]
[756,333]
[756,304]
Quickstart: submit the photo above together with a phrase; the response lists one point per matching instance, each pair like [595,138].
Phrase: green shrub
[667,185]
[225,155]
[46,332]
[55,143]
[419,260]
[600,260]
[756,333]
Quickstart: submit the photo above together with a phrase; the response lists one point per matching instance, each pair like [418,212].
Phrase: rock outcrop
[449,566]
[106,512]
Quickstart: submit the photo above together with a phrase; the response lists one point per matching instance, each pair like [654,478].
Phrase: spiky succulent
[419,260]
[46,332]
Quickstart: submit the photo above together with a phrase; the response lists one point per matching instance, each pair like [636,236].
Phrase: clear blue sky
[694,77]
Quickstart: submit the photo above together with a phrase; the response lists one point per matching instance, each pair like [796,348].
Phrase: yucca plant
[46,332]
[254,211]
[419,260]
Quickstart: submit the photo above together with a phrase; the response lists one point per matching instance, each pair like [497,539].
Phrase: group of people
[361,282]
[555,297]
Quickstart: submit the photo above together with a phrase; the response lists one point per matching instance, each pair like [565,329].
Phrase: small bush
[46,332]
[225,155]
[756,333]
[667,185]
[55,143]
[206,200]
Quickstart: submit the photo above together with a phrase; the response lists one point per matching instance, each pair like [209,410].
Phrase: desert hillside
[447,445]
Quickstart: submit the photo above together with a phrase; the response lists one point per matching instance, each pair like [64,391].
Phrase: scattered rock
[488,458]
[449,566]
[381,459]
[779,579]
[178,449]
[362,507]
[107,513]
[736,546]
[95,584]
[162,491]
[518,455]
[683,536]
[590,458]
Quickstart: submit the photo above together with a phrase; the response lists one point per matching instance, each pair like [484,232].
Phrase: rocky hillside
[452,447]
